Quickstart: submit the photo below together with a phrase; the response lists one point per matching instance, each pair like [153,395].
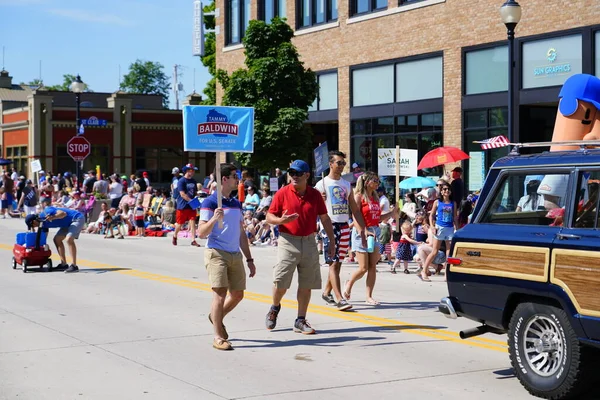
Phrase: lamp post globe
[510,12]
[77,87]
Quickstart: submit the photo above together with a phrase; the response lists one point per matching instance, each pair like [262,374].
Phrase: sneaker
[302,326]
[328,298]
[343,305]
[195,244]
[62,266]
[271,320]
[72,268]
[174,241]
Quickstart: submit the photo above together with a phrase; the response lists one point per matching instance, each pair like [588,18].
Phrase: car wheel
[24,265]
[14,263]
[545,353]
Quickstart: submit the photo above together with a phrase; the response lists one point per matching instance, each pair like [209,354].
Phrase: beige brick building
[426,73]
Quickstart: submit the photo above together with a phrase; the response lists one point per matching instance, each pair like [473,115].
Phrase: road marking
[327,311]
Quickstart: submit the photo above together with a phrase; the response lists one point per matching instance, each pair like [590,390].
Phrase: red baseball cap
[188,166]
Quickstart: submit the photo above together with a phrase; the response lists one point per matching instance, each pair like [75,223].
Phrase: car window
[587,198]
[526,199]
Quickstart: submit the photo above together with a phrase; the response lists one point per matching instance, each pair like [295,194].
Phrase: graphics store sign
[550,62]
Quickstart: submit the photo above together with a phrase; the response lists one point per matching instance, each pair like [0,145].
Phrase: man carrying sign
[339,200]
[186,186]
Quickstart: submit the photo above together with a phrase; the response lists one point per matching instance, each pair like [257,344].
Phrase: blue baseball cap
[579,87]
[300,166]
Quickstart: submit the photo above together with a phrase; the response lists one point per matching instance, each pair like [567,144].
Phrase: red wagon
[33,252]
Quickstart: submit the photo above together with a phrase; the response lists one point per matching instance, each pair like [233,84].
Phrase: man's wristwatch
[249,259]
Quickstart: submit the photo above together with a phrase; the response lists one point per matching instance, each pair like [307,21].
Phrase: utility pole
[176,86]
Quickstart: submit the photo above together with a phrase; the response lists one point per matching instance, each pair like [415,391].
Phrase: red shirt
[309,207]
[371,212]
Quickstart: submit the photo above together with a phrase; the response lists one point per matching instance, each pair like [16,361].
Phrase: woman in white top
[532,200]
[115,190]
[410,206]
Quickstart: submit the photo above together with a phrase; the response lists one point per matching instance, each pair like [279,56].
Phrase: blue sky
[93,37]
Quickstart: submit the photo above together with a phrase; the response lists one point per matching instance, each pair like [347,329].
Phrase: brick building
[426,73]
[138,134]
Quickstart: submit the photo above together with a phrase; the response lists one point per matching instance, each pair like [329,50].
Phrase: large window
[480,125]
[373,85]
[237,18]
[487,70]
[366,6]
[158,162]
[269,9]
[315,12]
[398,82]
[419,80]
[99,155]
[550,62]
[328,93]
[18,155]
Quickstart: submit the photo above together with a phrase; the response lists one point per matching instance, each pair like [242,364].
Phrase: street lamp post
[77,87]
[511,15]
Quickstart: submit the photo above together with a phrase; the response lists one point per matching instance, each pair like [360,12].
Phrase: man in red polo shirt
[295,209]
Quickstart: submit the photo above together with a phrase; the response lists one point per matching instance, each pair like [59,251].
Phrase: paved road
[133,325]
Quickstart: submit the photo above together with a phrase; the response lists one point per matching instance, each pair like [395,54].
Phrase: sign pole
[218,179]
[398,187]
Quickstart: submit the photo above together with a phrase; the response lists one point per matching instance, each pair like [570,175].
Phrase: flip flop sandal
[372,302]
[423,279]
[222,344]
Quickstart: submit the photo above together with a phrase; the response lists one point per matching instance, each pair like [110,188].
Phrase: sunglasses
[445,189]
[293,172]
[340,163]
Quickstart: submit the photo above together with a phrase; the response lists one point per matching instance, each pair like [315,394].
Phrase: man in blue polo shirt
[222,257]
[70,223]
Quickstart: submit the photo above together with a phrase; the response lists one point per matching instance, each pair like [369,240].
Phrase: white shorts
[30,210]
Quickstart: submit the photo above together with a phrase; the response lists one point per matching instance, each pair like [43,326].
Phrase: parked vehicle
[528,265]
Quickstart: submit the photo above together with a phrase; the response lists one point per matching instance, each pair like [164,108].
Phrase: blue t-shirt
[228,238]
[189,187]
[251,199]
[174,183]
[445,214]
[62,222]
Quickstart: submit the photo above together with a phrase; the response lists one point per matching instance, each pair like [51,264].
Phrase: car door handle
[567,236]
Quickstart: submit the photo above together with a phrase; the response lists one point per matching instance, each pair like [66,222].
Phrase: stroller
[30,250]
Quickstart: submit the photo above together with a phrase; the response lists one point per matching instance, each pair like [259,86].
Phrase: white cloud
[90,16]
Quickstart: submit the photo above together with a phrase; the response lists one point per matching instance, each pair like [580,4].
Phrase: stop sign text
[78,148]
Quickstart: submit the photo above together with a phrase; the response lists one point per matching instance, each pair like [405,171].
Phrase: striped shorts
[341,232]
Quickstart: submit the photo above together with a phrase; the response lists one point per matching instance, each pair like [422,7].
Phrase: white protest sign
[386,162]
[476,170]
[36,166]
[273,184]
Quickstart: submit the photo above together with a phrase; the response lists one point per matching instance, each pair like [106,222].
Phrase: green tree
[279,88]
[66,85]
[208,59]
[147,77]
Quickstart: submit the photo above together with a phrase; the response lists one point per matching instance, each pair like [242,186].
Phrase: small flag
[494,143]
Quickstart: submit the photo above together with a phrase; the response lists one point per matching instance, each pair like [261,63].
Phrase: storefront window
[361,152]
[550,62]
[372,86]
[18,155]
[158,162]
[418,80]
[480,125]
[597,51]
[487,70]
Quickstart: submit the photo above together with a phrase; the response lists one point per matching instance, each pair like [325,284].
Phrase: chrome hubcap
[543,346]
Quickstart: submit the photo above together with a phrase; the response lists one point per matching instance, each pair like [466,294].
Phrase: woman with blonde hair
[365,194]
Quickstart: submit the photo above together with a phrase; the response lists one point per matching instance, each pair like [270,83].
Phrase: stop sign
[78,148]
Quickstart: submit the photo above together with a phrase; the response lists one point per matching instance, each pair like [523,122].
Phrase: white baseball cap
[175,171]
[355,165]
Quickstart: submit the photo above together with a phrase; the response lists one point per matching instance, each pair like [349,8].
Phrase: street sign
[94,121]
[78,148]
[321,158]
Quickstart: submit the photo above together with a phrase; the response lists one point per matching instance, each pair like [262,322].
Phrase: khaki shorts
[297,252]
[225,270]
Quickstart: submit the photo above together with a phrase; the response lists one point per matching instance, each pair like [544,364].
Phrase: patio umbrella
[417,182]
[441,156]
[352,176]
[4,161]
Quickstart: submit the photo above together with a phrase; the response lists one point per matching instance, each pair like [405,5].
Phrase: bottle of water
[370,244]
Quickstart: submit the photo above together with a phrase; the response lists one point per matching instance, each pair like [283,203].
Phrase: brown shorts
[225,270]
[297,252]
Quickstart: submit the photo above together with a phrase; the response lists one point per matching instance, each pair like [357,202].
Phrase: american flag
[495,142]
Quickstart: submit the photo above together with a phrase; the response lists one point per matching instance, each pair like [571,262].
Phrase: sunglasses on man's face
[293,172]
[340,163]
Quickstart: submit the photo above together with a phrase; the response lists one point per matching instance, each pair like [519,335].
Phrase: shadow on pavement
[307,340]
[508,373]
[101,270]
[379,329]
[410,305]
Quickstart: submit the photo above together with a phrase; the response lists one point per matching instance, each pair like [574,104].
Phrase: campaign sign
[387,162]
[215,128]
[321,158]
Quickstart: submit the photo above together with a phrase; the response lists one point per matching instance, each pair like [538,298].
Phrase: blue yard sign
[216,129]
[321,158]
